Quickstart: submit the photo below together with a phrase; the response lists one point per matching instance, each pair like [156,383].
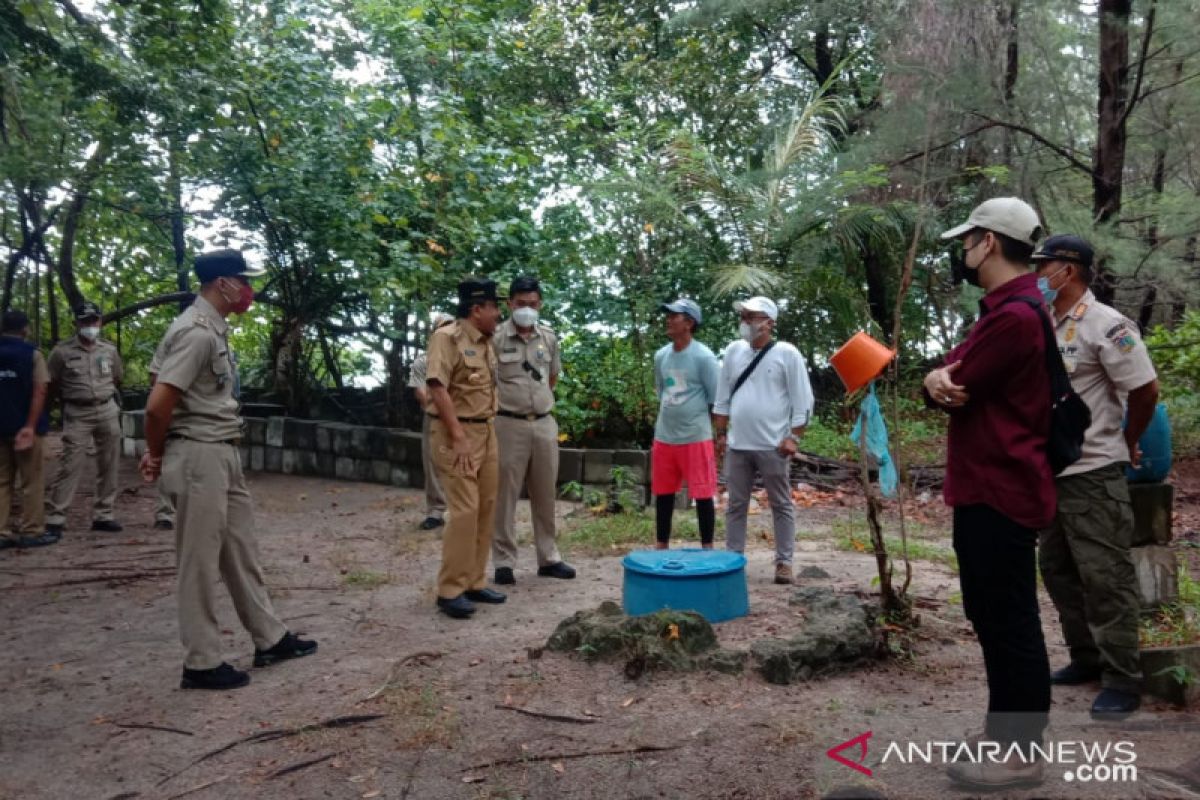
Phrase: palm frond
[734,278]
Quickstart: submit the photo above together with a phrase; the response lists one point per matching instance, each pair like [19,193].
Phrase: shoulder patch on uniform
[1121,336]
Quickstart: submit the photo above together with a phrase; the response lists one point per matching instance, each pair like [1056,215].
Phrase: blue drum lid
[684,563]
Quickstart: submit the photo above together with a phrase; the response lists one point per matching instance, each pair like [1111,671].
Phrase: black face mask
[959,271]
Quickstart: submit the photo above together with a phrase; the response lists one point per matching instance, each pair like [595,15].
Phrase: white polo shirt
[1106,360]
[774,399]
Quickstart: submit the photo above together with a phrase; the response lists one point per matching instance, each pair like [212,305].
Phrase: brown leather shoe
[783,574]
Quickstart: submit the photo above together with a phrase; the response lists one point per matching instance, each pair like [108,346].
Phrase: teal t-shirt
[686,385]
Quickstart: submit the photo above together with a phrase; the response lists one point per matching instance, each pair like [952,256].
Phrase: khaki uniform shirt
[416,380]
[195,358]
[520,392]
[86,375]
[1106,360]
[461,359]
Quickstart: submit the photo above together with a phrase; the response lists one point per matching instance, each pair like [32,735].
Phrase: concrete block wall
[294,446]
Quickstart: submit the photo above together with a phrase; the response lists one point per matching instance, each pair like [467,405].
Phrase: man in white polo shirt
[764,401]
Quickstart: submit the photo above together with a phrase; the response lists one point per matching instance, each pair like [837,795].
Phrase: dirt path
[91,667]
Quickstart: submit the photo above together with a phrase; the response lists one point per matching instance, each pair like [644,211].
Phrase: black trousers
[997,569]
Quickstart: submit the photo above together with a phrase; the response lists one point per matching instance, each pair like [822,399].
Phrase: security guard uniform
[528,437]
[202,476]
[435,498]
[1085,560]
[22,367]
[462,360]
[86,376]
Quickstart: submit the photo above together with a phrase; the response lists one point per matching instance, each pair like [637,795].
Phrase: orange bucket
[860,361]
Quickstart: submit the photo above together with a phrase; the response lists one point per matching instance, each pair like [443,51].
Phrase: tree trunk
[70,228]
[51,304]
[875,265]
[1008,17]
[175,191]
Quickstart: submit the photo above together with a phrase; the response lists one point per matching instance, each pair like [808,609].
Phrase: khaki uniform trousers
[435,498]
[1089,574]
[81,426]
[164,510]
[214,542]
[29,466]
[471,502]
[528,458]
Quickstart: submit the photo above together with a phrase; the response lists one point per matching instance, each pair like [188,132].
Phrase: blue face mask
[1048,294]
[1043,285]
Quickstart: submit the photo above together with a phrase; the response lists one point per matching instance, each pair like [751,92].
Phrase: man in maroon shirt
[996,389]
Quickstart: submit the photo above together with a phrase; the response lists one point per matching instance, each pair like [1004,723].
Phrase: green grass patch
[1176,623]
[365,579]
[617,534]
[854,538]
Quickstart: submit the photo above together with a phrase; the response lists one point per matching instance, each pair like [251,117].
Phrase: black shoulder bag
[749,369]
[1070,416]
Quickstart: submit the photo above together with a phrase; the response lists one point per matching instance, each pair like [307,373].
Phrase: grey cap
[684,306]
[1011,216]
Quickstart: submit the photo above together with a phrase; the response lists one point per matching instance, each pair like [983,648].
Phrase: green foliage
[1176,623]
[1176,355]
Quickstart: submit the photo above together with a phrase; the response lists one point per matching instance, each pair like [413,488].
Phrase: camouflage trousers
[1088,571]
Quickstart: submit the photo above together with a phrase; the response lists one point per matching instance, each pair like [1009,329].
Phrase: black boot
[290,646]
[219,677]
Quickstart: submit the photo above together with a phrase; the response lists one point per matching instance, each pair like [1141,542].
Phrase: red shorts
[672,464]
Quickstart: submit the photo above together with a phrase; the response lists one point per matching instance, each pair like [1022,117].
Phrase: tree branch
[150,302]
[1037,137]
[921,153]
[1137,83]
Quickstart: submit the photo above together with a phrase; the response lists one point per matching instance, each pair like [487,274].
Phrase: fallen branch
[542,715]
[278,733]
[118,579]
[619,751]
[424,655]
[195,789]
[148,727]
[298,766]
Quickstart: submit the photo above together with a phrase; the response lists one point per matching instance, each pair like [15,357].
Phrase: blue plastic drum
[710,582]
[1155,445]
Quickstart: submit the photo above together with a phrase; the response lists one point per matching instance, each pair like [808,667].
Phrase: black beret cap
[87,310]
[476,289]
[1065,247]
[224,264]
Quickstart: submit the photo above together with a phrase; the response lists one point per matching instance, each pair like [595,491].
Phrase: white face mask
[525,316]
[90,332]
[750,332]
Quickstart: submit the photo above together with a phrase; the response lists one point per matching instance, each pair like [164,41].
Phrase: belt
[87,402]
[514,415]
[469,420]
[235,441]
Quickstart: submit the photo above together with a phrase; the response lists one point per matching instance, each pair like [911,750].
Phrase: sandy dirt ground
[401,702]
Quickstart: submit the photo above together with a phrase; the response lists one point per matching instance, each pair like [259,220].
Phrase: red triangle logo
[835,753]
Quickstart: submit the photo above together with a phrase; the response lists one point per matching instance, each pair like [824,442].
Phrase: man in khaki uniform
[435,500]
[85,371]
[527,432]
[462,385]
[192,432]
[23,426]
[1084,557]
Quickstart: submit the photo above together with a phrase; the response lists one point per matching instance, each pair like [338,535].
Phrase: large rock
[678,640]
[1172,673]
[838,633]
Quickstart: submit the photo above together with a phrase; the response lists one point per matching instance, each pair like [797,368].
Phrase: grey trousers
[740,469]
[435,499]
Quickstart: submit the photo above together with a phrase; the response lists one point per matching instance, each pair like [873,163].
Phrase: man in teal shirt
[685,381]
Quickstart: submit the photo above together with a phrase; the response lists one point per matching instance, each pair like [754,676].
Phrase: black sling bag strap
[749,368]
[1070,416]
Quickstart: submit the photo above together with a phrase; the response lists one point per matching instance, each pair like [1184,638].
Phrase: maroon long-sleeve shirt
[997,445]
